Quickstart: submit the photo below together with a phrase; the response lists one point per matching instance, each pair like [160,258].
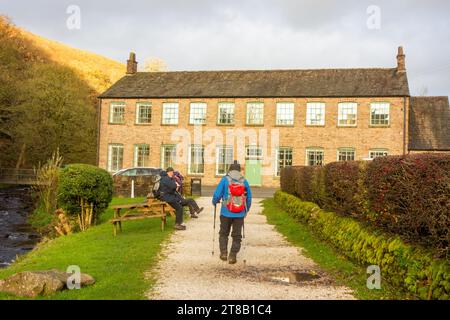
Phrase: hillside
[48,98]
[100,72]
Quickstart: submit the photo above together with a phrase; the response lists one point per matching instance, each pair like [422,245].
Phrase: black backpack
[155,190]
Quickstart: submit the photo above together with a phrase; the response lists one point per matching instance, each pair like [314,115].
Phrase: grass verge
[344,271]
[117,263]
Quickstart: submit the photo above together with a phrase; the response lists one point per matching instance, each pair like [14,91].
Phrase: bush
[405,195]
[411,196]
[409,268]
[83,181]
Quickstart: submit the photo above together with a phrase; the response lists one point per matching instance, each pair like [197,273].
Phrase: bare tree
[154,64]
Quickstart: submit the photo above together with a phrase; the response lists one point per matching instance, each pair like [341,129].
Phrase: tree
[155,64]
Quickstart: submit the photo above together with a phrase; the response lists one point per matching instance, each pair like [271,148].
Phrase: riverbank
[17,236]
[117,263]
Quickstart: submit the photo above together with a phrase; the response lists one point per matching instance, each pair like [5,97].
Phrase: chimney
[401,65]
[132,64]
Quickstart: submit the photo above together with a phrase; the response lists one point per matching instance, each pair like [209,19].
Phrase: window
[197,114]
[284,159]
[117,112]
[253,152]
[143,113]
[346,154]
[226,113]
[168,155]
[347,114]
[314,156]
[379,114]
[285,113]
[115,157]
[255,113]
[315,114]
[196,161]
[224,159]
[141,155]
[375,153]
[170,113]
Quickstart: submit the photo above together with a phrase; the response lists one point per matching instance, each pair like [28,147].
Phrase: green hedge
[406,195]
[85,181]
[410,268]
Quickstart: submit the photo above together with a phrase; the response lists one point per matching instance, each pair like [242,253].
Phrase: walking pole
[214,232]
[243,234]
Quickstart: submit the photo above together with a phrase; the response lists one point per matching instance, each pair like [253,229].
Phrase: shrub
[410,195]
[410,268]
[342,187]
[82,181]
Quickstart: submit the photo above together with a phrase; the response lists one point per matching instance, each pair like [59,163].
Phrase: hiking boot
[200,210]
[179,227]
[194,216]
[232,258]
[223,256]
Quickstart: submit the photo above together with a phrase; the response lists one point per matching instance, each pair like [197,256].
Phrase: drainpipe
[99,113]
[405,138]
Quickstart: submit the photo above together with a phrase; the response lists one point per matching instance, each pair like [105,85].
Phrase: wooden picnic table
[152,208]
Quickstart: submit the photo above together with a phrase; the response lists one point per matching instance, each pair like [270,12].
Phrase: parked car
[135,172]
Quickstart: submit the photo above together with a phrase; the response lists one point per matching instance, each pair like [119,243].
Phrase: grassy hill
[98,71]
[48,98]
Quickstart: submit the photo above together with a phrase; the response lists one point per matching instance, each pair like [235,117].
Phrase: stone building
[199,121]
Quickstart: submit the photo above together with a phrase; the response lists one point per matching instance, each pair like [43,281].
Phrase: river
[17,237]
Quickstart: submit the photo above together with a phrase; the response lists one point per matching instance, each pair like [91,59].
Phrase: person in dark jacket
[168,193]
[231,220]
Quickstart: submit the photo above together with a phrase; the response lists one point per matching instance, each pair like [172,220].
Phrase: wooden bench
[152,208]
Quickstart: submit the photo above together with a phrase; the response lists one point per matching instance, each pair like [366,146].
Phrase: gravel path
[268,266]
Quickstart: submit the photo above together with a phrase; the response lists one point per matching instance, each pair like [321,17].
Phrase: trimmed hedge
[412,269]
[85,181]
[405,195]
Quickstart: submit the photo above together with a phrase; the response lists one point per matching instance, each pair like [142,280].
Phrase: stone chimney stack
[132,64]
[401,64]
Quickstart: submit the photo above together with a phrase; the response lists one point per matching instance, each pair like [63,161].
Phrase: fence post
[132,188]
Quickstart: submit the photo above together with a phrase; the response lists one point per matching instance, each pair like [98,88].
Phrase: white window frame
[190,158]
[314,106]
[277,159]
[378,150]
[165,165]
[136,155]
[285,113]
[257,155]
[314,149]
[110,153]
[344,106]
[112,105]
[197,113]
[218,163]
[385,106]
[255,106]
[346,149]
[227,106]
[138,112]
[176,112]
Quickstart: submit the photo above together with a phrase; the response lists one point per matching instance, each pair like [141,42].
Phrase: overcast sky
[256,34]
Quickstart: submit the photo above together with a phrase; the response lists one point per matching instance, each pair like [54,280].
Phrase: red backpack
[236,201]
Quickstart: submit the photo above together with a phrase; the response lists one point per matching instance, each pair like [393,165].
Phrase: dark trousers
[235,225]
[178,210]
[191,203]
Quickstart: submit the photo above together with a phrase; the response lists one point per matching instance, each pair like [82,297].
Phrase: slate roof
[375,82]
[429,124]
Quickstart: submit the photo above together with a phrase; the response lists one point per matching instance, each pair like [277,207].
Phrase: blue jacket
[168,189]
[223,193]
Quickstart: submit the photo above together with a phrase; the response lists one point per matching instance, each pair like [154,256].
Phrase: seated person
[169,194]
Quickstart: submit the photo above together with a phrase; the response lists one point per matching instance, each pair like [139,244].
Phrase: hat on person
[169,169]
[235,166]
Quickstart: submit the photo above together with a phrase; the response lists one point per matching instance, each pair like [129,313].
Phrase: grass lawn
[344,271]
[117,263]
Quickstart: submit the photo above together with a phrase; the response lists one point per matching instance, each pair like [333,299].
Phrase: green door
[253,172]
